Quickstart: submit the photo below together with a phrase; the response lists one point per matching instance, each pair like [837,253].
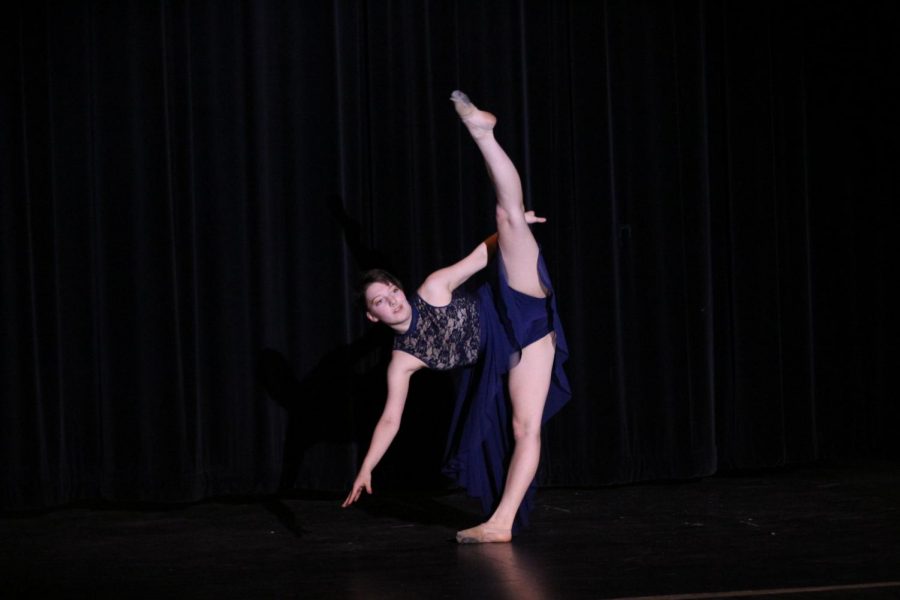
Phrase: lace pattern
[443,337]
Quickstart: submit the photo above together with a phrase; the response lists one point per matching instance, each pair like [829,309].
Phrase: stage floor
[821,531]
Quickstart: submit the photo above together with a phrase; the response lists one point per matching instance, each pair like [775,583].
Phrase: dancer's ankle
[480,123]
[499,523]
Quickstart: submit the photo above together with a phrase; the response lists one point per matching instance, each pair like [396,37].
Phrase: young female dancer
[506,337]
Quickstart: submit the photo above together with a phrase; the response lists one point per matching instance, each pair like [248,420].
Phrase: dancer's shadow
[333,402]
[340,401]
[341,398]
[423,508]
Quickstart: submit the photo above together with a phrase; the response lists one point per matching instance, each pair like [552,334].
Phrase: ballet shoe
[478,121]
[483,534]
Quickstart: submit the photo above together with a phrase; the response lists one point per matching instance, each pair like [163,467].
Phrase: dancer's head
[383,298]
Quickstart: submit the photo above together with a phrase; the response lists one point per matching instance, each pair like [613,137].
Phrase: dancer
[506,338]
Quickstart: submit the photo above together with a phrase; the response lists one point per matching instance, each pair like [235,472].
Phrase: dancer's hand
[530,218]
[363,481]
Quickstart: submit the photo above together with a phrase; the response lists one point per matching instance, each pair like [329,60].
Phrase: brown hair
[368,278]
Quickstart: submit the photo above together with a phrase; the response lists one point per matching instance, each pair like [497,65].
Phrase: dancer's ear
[371,317]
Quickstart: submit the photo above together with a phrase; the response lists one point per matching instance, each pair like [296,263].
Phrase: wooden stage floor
[820,531]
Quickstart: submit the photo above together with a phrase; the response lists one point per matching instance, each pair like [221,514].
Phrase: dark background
[187,190]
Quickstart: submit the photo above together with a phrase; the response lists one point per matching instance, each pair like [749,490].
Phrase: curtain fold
[188,189]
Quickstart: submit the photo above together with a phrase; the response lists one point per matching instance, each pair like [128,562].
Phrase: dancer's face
[386,303]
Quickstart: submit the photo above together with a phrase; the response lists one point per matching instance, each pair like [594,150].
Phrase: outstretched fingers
[530,218]
[356,492]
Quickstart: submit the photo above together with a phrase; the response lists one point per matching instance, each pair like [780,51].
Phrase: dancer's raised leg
[518,248]
[529,380]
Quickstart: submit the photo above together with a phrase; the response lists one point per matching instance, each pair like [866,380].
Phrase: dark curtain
[188,189]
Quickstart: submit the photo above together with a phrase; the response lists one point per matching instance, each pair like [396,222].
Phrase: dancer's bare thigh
[529,382]
[519,251]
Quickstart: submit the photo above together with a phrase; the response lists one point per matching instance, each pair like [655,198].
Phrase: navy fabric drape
[188,188]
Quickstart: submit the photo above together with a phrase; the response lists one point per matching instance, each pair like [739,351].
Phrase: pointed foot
[478,122]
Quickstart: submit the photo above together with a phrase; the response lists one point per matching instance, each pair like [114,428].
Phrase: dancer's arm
[437,289]
[399,371]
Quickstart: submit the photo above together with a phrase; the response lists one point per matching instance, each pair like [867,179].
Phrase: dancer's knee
[508,220]
[527,430]
[502,216]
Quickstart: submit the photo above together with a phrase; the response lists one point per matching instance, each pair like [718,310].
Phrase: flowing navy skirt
[481,441]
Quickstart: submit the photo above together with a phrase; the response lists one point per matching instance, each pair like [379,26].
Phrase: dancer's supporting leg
[529,380]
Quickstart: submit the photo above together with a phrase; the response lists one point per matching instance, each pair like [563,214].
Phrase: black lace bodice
[443,337]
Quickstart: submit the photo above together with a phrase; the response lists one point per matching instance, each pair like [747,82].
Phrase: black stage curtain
[188,189]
